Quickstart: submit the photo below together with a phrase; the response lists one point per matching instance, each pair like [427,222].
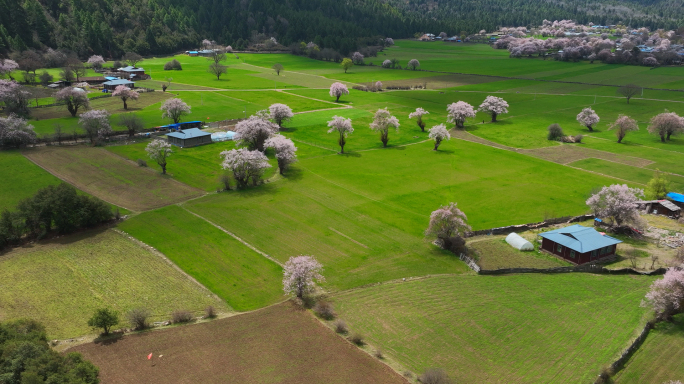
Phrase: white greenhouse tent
[517,242]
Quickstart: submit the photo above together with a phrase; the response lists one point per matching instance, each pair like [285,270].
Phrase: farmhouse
[661,207]
[112,84]
[93,80]
[189,138]
[130,72]
[579,244]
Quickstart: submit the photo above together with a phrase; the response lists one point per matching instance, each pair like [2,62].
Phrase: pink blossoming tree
[159,150]
[616,204]
[666,296]
[495,106]
[342,126]
[280,113]
[7,66]
[245,165]
[588,118]
[446,222]
[15,97]
[457,113]
[382,121]
[174,109]
[284,151]
[338,89]
[96,61]
[439,133]
[622,125]
[665,125]
[357,58]
[413,64]
[125,93]
[73,99]
[300,275]
[254,131]
[15,132]
[96,124]
[418,114]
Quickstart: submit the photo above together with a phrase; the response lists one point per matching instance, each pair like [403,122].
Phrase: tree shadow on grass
[350,154]
[109,339]
[294,174]
[445,151]
[286,129]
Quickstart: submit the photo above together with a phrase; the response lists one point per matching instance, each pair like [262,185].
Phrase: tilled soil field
[279,344]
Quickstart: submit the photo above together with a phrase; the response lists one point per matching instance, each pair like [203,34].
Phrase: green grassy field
[505,329]
[242,277]
[497,254]
[660,358]
[62,282]
[21,179]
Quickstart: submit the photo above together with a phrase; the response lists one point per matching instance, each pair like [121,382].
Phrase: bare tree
[217,57]
[58,135]
[217,69]
[629,90]
[132,58]
[132,122]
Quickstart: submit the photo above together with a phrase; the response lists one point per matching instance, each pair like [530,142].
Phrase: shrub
[182,316]
[378,354]
[324,310]
[209,312]
[142,163]
[357,339]
[138,318]
[578,138]
[555,132]
[434,376]
[408,374]
[225,179]
[341,327]
[604,376]
[173,65]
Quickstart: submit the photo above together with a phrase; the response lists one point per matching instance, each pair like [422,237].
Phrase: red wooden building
[578,244]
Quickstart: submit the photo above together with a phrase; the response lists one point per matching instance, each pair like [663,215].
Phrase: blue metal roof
[118,82]
[678,197]
[188,133]
[579,238]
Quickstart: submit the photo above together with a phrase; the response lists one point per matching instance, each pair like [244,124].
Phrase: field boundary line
[312,98]
[603,174]
[158,253]
[315,145]
[345,236]
[302,73]
[255,249]
[637,144]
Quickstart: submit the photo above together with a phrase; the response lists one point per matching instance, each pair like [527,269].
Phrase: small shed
[93,80]
[578,244]
[112,84]
[189,137]
[518,242]
[206,53]
[661,207]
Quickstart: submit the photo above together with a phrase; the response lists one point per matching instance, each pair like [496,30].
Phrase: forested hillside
[110,27]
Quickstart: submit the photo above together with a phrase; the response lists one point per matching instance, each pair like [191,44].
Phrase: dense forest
[110,27]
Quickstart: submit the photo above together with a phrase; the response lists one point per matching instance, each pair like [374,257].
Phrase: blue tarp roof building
[678,197]
[188,133]
[579,238]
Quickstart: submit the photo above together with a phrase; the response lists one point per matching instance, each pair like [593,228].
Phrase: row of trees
[663,124]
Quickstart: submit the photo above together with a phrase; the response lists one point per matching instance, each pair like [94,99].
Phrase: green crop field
[497,254]
[21,178]
[660,358]
[62,282]
[242,277]
[504,329]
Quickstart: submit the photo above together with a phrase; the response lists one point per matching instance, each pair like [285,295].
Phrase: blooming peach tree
[125,93]
[616,204]
[254,131]
[96,124]
[338,89]
[73,99]
[280,113]
[382,121]
[439,133]
[418,114]
[158,150]
[246,165]
[284,151]
[665,125]
[446,222]
[174,109]
[588,118]
[622,125]
[457,113]
[493,105]
[15,132]
[666,296]
[300,275]
[342,126]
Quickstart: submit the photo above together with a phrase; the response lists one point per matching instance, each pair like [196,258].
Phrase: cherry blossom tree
[457,113]
[245,165]
[446,222]
[7,66]
[622,125]
[73,99]
[418,114]
[413,64]
[357,58]
[387,63]
[254,131]
[389,41]
[443,35]
[284,151]
[280,113]
[125,93]
[158,150]
[666,296]
[338,89]
[301,274]
[665,125]
[439,133]
[616,204]
[494,106]
[15,132]
[174,109]
[96,124]
[15,97]
[588,118]
[96,61]
[378,85]
[382,121]
[342,126]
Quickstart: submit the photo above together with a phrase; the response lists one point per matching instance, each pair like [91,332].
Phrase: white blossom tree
[495,106]
[387,63]
[439,133]
[622,125]
[378,85]
[73,99]
[338,89]
[342,126]
[254,131]
[300,275]
[159,150]
[8,66]
[389,41]
[280,113]
[357,58]
[245,165]
[15,132]
[666,296]
[665,125]
[413,64]
[125,93]
[284,151]
[446,222]
[616,204]
[96,124]
[96,61]
[382,121]
[418,114]
[588,118]
[457,113]
[15,97]
[174,109]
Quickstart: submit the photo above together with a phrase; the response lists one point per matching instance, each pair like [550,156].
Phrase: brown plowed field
[111,178]
[279,344]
